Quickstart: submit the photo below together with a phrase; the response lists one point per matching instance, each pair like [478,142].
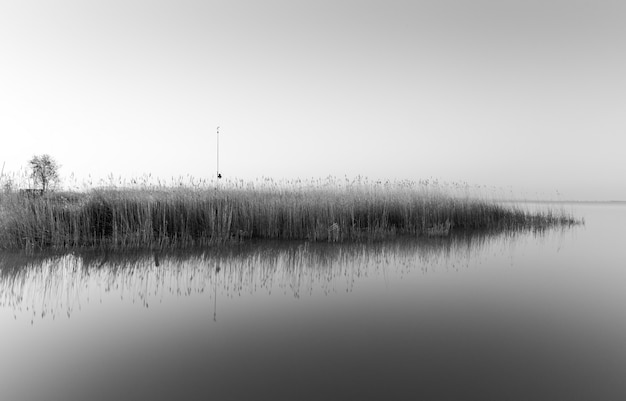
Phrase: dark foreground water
[521,317]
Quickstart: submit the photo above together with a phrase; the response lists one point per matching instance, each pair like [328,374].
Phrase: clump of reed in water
[191,216]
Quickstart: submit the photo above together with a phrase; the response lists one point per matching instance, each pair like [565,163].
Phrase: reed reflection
[48,285]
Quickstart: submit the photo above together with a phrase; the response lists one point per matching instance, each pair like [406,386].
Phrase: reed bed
[186,216]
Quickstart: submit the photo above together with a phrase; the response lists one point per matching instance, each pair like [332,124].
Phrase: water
[527,316]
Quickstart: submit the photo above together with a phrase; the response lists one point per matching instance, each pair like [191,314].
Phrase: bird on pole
[218,153]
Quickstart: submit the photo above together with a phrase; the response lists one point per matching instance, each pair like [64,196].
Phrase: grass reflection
[45,285]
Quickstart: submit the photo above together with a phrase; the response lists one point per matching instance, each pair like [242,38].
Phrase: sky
[526,96]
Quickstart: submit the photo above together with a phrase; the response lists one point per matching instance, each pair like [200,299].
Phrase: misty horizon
[525,96]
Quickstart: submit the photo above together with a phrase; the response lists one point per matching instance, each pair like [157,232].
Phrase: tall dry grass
[185,216]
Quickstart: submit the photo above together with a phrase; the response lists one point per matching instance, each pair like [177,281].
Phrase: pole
[218,152]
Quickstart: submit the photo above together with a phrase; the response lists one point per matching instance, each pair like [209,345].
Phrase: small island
[221,212]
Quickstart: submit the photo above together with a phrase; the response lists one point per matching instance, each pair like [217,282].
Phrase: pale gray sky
[526,95]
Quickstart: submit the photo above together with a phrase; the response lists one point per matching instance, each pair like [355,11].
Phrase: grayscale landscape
[297,200]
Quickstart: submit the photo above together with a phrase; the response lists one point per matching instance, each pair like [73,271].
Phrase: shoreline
[184,217]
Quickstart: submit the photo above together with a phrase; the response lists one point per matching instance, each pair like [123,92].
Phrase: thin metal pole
[218,152]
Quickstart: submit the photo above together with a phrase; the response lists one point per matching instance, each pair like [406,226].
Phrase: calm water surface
[534,316]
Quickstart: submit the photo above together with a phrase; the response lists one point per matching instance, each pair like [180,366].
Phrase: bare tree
[44,171]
